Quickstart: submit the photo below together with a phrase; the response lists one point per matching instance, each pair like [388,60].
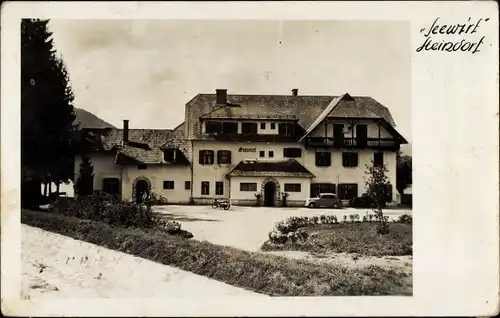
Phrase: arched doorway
[270,194]
[140,186]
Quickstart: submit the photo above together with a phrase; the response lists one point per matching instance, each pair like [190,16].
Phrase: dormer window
[249,128]
[169,155]
[221,127]
[286,129]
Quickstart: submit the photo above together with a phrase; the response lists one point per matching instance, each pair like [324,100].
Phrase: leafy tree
[47,113]
[85,183]
[378,190]
[403,172]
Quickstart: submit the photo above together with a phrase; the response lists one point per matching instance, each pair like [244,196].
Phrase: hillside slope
[88,120]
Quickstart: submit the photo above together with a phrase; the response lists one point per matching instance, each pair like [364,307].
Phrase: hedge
[267,274]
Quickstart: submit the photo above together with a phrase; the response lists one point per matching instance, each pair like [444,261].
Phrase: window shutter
[354,159]
[200,154]
[219,155]
[228,156]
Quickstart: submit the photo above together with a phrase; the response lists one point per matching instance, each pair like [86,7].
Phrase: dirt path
[58,266]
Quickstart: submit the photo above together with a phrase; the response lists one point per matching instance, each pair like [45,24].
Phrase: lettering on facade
[247,149]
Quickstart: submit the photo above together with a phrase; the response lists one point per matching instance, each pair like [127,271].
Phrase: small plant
[284,197]
[356,217]
[351,217]
[378,189]
[345,218]
[258,196]
[365,219]
[370,218]
[405,218]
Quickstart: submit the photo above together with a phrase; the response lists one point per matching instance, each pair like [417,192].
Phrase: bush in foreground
[268,274]
[105,208]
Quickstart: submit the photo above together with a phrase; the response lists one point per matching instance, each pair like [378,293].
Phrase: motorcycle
[221,203]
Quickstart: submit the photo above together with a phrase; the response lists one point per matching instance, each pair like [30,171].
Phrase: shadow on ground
[184,218]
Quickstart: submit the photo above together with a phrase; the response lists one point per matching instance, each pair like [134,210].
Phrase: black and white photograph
[223,157]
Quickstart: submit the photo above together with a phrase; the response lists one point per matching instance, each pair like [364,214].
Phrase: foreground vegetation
[352,235]
[267,274]
[107,209]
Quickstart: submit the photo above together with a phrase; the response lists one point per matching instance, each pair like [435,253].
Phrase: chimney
[221,97]
[125,131]
[295,91]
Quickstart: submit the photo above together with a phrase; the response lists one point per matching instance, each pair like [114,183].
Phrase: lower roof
[270,168]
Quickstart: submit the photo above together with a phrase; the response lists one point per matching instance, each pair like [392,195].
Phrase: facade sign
[247,149]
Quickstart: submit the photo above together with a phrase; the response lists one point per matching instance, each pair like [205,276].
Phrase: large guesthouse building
[271,150]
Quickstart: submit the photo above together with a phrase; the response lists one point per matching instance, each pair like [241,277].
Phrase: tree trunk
[45,188]
[57,187]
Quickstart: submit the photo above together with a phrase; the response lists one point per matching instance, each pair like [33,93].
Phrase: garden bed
[327,235]
[267,274]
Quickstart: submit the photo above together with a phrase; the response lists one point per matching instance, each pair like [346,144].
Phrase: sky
[147,70]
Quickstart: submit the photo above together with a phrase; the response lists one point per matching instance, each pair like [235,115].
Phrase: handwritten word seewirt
[463,45]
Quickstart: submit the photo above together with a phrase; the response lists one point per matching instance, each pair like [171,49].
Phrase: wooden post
[379,134]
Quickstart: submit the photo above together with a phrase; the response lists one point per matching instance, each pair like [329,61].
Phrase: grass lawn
[267,274]
[360,238]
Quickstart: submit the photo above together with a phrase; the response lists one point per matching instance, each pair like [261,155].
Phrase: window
[187,185]
[248,186]
[292,187]
[169,155]
[273,125]
[229,128]
[317,188]
[205,188]
[262,154]
[212,127]
[338,130]
[111,185]
[378,159]
[223,156]
[262,125]
[292,152]
[347,191]
[249,128]
[350,159]
[168,185]
[142,166]
[286,129]
[271,153]
[219,188]
[323,159]
[218,127]
[206,157]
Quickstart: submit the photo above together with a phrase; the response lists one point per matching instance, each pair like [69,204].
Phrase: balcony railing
[330,142]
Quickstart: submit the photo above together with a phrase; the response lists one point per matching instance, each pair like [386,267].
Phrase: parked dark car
[329,200]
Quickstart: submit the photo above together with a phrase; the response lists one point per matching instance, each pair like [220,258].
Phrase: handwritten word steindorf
[464,30]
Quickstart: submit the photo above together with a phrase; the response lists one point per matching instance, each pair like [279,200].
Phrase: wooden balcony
[352,143]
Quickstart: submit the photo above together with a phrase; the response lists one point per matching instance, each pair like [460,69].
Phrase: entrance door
[361,135]
[270,194]
[140,188]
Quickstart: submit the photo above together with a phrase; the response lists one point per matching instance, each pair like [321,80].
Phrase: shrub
[405,218]
[360,202]
[105,208]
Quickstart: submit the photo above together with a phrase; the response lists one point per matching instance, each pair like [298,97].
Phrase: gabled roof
[270,168]
[145,145]
[347,106]
[301,108]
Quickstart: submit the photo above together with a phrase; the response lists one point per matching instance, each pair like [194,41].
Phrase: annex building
[249,149]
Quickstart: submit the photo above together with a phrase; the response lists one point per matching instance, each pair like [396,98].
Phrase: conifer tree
[47,113]
[85,182]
